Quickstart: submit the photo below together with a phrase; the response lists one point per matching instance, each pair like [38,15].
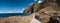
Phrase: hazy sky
[14,6]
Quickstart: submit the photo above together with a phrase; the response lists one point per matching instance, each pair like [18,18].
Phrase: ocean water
[12,14]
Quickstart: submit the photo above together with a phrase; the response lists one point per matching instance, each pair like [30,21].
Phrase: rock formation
[50,6]
[31,9]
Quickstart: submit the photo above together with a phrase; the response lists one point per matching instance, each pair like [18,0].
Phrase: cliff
[31,9]
[46,9]
[36,7]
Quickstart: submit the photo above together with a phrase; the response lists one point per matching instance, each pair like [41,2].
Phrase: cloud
[31,3]
[8,12]
[21,11]
[17,11]
[1,12]
[39,1]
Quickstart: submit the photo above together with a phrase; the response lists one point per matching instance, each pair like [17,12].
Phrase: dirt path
[34,20]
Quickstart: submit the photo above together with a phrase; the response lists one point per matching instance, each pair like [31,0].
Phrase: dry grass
[16,19]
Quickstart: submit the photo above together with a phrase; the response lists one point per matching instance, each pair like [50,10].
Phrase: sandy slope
[34,20]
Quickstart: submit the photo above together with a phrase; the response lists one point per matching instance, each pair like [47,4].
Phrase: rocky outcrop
[42,5]
[31,9]
[51,7]
[47,9]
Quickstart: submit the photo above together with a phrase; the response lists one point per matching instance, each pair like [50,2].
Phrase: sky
[14,6]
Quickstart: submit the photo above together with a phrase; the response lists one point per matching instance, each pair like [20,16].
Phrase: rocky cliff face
[51,8]
[45,3]
[31,9]
[46,9]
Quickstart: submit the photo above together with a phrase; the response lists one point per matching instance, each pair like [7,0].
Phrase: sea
[2,15]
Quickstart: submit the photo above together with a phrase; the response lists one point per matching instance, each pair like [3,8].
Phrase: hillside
[31,9]
[38,6]
[45,10]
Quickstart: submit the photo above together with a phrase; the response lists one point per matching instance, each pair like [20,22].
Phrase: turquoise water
[12,14]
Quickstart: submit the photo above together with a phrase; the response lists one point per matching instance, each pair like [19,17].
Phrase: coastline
[16,19]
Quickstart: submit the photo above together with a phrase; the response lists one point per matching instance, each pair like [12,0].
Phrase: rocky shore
[16,19]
